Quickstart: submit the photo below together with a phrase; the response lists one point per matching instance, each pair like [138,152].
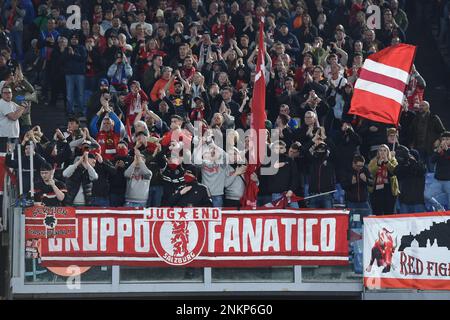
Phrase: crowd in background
[140,79]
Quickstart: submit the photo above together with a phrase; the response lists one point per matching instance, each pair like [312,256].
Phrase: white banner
[407,251]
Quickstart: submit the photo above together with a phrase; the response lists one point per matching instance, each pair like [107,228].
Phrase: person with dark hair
[285,179]
[79,179]
[322,171]
[355,183]
[101,187]
[284,131]
[441,183]
[190,193]
[75,57]
[118,182]
[410,173]
[138,181]
[49,191]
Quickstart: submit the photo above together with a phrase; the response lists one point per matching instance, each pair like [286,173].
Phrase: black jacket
[79,178]
[198,196]
[101,186]
[356,192]
[285,179]
[411,179]
[118,182]
[38,161]
[442,161]
[323,177]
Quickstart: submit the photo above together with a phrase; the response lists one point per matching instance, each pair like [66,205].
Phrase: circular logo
[178,242]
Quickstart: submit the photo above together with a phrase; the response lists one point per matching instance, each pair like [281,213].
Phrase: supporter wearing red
[441,157]
[223,28]
[49,191]
[355,182]
[416,87]
[190,193]
[79,180]
[108,136]
[410,173]
[176,133]
[385,188]
[301,74]
[138,181]
[160,84]
[135,101]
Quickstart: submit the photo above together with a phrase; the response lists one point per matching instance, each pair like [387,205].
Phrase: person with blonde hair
[385,188]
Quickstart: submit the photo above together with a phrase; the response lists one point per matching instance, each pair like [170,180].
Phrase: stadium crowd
[140,81]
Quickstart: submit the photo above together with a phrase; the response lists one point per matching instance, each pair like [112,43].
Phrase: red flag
[258,123]
[283,202]
[380,88]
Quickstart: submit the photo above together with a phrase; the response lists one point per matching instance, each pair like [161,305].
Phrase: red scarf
[382,175]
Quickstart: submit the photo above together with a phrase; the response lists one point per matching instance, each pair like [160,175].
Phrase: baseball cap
[104,82]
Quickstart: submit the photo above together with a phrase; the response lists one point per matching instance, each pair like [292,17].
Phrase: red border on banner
[411,215]
[396,283]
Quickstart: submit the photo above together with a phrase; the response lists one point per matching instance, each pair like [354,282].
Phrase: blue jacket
[76,63]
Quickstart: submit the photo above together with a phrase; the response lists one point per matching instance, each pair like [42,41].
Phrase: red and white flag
[380,88]
[258,124]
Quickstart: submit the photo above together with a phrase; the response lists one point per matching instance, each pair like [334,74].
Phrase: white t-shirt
[8,128]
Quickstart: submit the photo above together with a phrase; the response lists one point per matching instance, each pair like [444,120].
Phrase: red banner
[47,222]
[202,237]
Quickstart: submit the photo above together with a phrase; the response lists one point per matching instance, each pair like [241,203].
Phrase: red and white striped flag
[380,88]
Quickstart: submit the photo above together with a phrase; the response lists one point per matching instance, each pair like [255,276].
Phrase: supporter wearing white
[10,112]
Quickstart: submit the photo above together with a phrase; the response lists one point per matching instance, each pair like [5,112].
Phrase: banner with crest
[200,237]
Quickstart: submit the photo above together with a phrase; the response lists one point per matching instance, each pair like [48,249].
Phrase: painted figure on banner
[383,250]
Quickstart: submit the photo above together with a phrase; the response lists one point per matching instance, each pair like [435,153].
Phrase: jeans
[276,196]
[322,202]
[412,208]
[217,201]
[155,194]
[437,187]
[100,202]
[75,93]
[116,200]
[131,204]
[358,210]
